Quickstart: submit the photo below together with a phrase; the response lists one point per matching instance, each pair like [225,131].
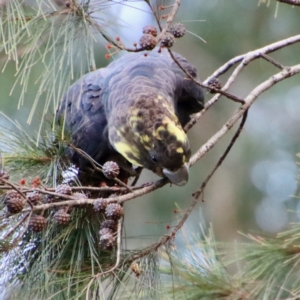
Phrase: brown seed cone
[100,204]
[63,189]
[168,40]
[105,231]
[215,84]
[114,211]
[111,169]
[148,42]
[14,205]
[150,29]
[178,30]
[62,217]
[107,240]
[37,223]
[34,197]
[11,194]
[110,224]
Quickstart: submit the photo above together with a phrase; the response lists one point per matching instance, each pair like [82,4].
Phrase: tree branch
[244,59]
[253,55]
[74,201]
[200,191]
[290,2]
[169,20]
[249,100]
[116,265]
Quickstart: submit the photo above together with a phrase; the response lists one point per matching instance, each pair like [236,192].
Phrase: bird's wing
[82,108]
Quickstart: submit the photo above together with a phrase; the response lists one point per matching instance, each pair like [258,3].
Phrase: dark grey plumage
[133,110]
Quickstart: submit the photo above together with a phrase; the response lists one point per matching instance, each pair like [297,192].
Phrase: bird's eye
[154,159]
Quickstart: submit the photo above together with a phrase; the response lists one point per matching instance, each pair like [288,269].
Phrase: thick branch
[253,55]
[287,72]
[120,199]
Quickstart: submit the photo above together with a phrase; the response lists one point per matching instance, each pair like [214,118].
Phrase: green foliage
[65,263]
[51,265]
[196,271]
[264,268]
[27,158]
[59,39]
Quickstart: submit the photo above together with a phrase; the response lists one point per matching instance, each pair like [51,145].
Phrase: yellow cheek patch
[145,140]
[175,130]
[128,151]
[179,150]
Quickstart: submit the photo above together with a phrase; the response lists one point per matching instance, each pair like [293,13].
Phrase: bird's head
[155,141]
[170,152]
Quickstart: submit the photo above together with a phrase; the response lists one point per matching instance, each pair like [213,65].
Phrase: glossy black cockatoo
[133,111]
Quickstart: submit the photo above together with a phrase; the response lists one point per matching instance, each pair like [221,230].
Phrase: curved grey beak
[179,177]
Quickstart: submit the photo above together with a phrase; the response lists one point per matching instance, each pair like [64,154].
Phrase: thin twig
[206,84]
[116,265]
[49,191]
[119,235]
[137,177]
[272,61]
[200,191]
[170,19]
[96,166]
[154,14]
[14,229]
[14,187]
[227,95]
[21,234]
[198,115]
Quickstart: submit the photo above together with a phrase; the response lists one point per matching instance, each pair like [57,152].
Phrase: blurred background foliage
[256,187]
